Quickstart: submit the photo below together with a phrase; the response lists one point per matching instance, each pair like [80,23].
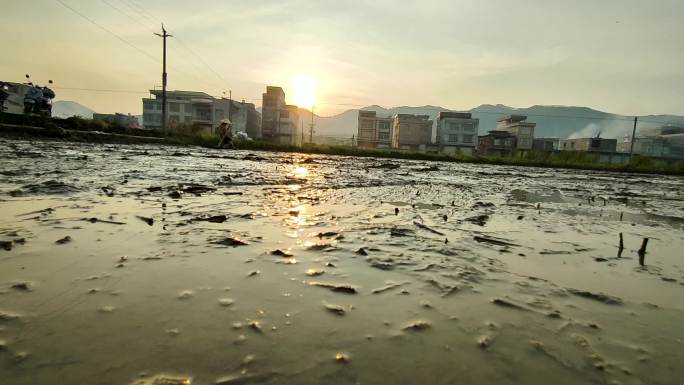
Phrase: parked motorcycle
[38,100]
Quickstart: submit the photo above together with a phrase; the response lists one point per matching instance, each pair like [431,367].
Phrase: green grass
[78,129]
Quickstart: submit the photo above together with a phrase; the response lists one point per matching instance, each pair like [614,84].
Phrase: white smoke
[615,129]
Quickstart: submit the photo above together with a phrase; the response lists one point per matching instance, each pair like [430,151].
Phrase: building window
[383,136]
[454,126]
[218,114]
[382,125]
[285,114]
[453,138]
[524,142]
[152,118]
[468,127]
[367,124]
[174,107]
[498,142]
[148,105]
[468,139]
[572,145]
[595,143]
[203,115]
[188,119]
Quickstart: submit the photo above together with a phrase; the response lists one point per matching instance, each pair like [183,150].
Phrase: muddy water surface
[162,265]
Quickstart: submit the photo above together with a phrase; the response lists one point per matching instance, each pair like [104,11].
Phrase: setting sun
[303,91]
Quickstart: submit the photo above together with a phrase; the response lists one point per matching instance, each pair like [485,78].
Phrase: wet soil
[141,264]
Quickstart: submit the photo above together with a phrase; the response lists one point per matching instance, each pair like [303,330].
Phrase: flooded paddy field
[164,265]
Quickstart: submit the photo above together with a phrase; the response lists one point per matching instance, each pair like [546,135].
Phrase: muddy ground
[162,265]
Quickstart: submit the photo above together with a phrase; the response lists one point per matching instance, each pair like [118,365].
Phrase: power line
[131,4]
[100,90]
[149,29]
[107,30]
[185,46]
[127,15]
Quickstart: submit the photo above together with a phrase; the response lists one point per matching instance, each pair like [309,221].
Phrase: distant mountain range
[552,121]
[66,109]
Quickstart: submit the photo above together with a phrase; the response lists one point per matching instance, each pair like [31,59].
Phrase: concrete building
[457,132]
[588,145]
[273,101]
[183,108]
[123,120]
[244,116]
[374,131]
[289,127]
[520,128]
[280,123]
[14,96]
[500,143]
[411,132]
[545,144]
[199,110]
[662,142]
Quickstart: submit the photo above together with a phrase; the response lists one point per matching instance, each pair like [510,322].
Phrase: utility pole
[631,147]
[311,129]
[230,109]
[164,35]
[301,128]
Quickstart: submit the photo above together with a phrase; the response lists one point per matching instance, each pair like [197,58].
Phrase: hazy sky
[622,56]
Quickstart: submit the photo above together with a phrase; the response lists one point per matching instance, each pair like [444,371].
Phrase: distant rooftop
[456,115]
[275,90]
[512,118]
[197,94]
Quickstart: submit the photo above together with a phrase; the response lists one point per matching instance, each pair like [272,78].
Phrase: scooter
[38,100]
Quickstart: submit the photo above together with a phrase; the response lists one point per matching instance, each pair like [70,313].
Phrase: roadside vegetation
[86,130]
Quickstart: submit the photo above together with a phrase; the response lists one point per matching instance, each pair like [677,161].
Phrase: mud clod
[484,342]
[508,304]
[604,298]
[417,325]
[337,309]
[342,358]
[341,288]
[6,245]
[163,380]
[64,240]
[226,302]
[282,253]
[22,286]
[231,242]
[315,272]
[149,221]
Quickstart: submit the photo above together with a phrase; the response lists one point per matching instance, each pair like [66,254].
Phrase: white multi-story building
[457,132]
[522,130]
[198,109]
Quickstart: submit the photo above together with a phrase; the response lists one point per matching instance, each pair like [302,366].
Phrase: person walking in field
[225,132]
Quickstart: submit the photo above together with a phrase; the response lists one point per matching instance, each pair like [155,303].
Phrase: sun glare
[304,91]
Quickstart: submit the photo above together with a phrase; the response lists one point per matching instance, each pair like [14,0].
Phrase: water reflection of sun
[301,172]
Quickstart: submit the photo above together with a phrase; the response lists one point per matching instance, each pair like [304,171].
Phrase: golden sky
[621,56]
